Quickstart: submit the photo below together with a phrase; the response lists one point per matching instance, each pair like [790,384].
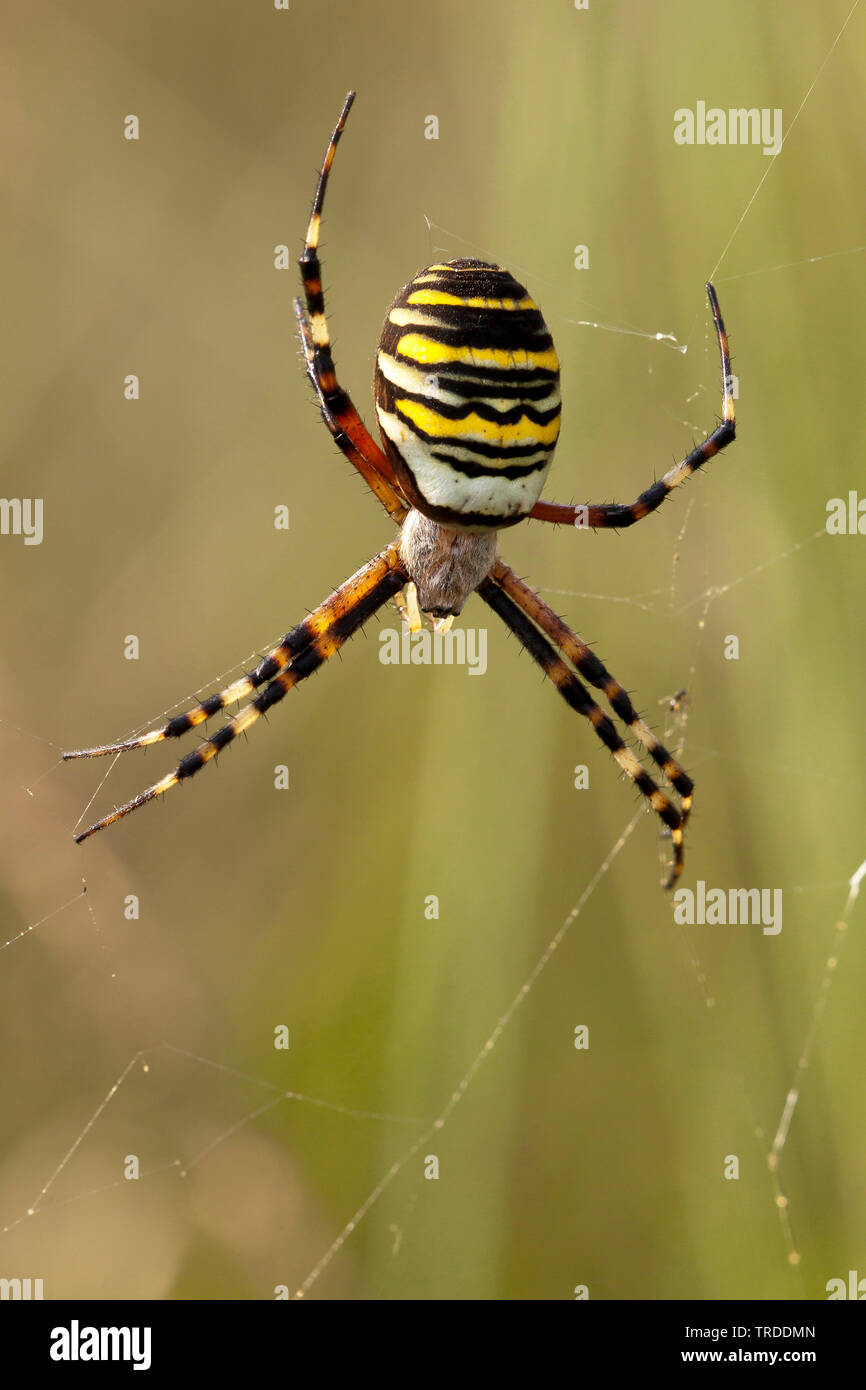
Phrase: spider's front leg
[615,515]
[338,412]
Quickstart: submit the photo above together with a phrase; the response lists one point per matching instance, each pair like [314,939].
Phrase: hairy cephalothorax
[467,398]
[446,566]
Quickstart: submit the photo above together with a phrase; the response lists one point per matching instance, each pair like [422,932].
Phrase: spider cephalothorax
[445,565]
[467,396]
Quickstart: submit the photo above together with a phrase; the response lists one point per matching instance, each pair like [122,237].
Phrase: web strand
[472,1071]
[771,165]
[780,1139]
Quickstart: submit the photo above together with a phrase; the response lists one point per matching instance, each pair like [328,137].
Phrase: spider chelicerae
[467,396]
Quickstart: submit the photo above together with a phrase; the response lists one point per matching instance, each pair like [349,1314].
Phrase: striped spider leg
[301,652]
[556,648]
[348,429]
[307,646]
[613,515]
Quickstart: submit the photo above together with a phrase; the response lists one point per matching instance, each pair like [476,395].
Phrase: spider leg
[268,667]
[346,426]
[542,651]
[323,634]
[294,642]
[349,431]
[575,650]
[619,514]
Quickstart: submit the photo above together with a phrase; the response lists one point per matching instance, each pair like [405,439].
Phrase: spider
[467,397]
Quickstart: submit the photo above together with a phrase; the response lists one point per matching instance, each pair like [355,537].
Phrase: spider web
[664,602]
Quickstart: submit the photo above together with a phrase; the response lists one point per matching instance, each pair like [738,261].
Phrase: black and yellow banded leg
[615,515]
[340,415]
[350,433]
[578,697]
[312,643]
[331,613]
[575,650]
[180,724]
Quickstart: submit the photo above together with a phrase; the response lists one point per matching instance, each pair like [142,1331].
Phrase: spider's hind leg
[588,665]
[552,644]
[308,647]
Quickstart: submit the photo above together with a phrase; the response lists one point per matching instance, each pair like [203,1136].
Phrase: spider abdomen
[467,395]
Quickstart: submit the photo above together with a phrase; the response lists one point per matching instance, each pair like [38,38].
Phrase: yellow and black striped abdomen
[467,394]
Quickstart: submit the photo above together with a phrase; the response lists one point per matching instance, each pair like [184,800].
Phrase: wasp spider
[467,395]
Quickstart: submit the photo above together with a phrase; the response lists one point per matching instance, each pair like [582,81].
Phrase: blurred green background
[306,907]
